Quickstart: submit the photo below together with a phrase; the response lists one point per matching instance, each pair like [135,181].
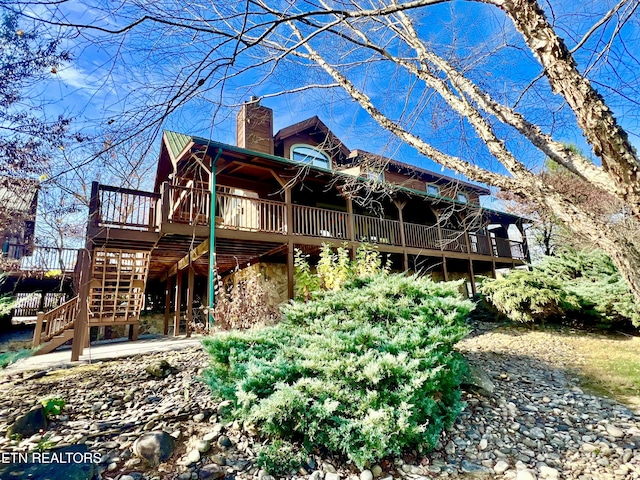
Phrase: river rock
[154,447]
[29,424]
[211,472]
[160,369]
[477,380]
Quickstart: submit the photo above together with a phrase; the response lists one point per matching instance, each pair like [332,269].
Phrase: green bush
[366,371]
[526,297]
[335,268]
[576,286]
[593,278]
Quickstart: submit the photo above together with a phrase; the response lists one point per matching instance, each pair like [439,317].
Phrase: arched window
[308,154]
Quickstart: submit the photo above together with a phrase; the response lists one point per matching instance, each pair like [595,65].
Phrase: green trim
[212,239]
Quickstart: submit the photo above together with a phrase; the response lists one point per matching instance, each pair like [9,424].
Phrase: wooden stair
[116,286]
[55,327]
[55,342]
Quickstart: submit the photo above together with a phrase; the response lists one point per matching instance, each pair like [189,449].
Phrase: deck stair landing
[116,297]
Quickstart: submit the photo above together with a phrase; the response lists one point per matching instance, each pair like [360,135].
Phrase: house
[298,188]
[19,200]
[38,277]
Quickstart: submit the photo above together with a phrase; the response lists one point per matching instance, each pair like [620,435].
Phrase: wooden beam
[81,323]
[445,273]
[290,250]
[176,321]
[189,258]
[405,258]
[472,277]
[167,306]
[190,284]
[279,179]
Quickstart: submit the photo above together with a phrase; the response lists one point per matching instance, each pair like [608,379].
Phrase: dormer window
[433,189]
[462,198]
[311,155]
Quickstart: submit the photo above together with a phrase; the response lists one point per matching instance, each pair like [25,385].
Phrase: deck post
[176,320]
[440,244]
[351,231]
[471,277]
[525,244]
[190,283]
[167,306]
[211,292]
[37,334]
[80,326]
[290,249]
[445,273]
[405,257]
[94,205]
[490,242]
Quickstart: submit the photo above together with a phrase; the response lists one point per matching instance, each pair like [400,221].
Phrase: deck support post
[445,273]
[405,257]
[167,306]
[37,334]
[190,283]
[176,320]
[471,277]
[212,240]
[80,326]
[290,249]
[440,244]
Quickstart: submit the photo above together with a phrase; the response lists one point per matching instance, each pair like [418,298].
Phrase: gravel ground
[537,424]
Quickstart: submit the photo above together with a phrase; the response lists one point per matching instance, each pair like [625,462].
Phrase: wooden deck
[177,220]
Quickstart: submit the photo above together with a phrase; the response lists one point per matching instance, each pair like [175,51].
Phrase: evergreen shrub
[527,297]
[575,286]
[366,371]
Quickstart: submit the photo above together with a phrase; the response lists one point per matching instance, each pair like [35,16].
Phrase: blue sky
[112,74]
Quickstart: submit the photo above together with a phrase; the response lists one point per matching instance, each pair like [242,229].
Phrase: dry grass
[610,364]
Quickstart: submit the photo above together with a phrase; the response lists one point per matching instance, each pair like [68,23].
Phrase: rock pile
[160,423]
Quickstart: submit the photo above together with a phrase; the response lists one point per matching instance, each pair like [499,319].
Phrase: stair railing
[55,321]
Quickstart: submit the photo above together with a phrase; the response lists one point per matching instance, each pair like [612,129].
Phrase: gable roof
[316,125]
[176,142]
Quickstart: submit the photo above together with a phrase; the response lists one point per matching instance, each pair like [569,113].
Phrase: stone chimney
[254,127]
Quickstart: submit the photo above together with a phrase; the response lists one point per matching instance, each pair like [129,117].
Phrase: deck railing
[131,209]
[246,213]
[55,322]
[186,205]
[319,222]
[377,230]
[47,259]
[421,236]
[124,208]
[28,304]
[453,240]
[479,244]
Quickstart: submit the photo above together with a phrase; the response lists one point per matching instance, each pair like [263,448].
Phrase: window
[462,198]
[376,176]
[433,189]
[310,155]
